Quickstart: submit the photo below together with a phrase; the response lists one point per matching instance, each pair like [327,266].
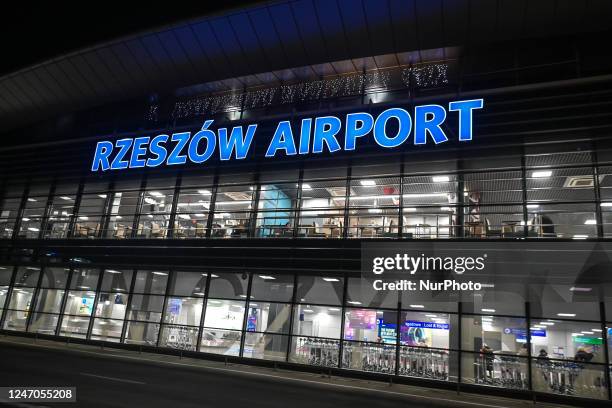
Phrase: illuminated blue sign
[390,129]
[427,325]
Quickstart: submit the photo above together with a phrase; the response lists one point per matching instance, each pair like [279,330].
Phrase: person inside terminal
[230,187]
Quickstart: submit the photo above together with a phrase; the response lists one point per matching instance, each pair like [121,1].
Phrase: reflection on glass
[179,337]
[224,314]
[107,330]
[142,333]
[216,341]
[372,357]
[43,323]
[265,346]
[183,311]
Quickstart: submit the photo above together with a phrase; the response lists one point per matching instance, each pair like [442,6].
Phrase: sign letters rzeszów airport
[389,129]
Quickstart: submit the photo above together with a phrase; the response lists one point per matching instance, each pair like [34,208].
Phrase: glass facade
[323,321]
[551,194]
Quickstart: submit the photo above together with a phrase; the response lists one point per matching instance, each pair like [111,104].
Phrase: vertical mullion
[347,197]
[604,337]
[342,319]
[459,351]
[64,301]
[46,212]
[298,203]
[34,298]
[20,211]
[138,209]
[400,220]
[292,315]
[9,293]
[528,322]
[460,217]
[524,196]
[173,210]
[211,206]
[598,214]
[128,306]
[204,305]
[254,209]
[398,334]
[246,315]
[95,303]
[75,209]
[107,210]
[163,313]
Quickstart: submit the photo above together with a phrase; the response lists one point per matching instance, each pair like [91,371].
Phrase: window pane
[272,287]
[112,305]
[192,208]
[232,211]
[268,317]
[359,294]
[549,185]
[85,278]
[6,272]
[3,294]
[183,311]
[80,302]
[493,188]
[60,214]
[375,207]
[116,280]
[91,210]
[317,321]
[429,222]
[493,334]
[142,333]
[179,337]
[107,330]
[228,285]
[275,215]
[579,310]
[266,346]
[566,340]
[43,323]
[49,300]
[322,209]
[431,363]
[500,371]
[500,221]
[74,326]
[226,342]
[315,351]
[15,320]
[21,299]
[563,220]
[33,213]
[372,357]
[27,276]
[425,329]
[188,284]
[151,282]
[224,314]
[146,307]
[55,277]
[123,208]
[320,290]
[369,325]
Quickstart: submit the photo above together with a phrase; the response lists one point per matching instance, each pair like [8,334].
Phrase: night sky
[32,33]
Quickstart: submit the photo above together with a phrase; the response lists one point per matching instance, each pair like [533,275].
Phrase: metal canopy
[267,44]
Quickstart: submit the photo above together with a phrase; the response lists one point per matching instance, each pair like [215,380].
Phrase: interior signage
[323,134]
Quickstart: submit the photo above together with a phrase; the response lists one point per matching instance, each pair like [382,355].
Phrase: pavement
[106,377]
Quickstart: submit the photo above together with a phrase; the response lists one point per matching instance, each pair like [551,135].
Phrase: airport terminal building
[210,188]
